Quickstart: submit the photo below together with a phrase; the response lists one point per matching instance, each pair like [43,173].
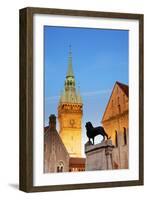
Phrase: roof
[50,132]
[77,160]
[45,128]
[124,87]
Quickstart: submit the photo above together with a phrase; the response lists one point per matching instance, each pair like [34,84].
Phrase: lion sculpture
[92,132]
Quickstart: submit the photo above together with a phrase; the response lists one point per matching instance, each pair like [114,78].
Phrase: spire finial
[70,70]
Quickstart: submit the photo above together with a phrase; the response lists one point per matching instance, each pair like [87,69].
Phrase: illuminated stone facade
[70,127]
[115,122]
[115,118]
[70,111]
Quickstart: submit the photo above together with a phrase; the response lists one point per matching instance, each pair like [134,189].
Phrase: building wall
[120,154]
[115,118]
[56,157]
[116,126]
[115,122]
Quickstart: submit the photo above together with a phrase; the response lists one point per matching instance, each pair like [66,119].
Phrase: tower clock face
[72,122]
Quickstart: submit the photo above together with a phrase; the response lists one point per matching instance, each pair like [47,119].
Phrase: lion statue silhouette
[92,132]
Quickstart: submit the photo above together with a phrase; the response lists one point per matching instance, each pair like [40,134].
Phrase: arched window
[116,139]
[125,136]
[60,167]
[119,109]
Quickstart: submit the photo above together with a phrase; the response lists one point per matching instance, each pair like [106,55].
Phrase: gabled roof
[56,134]
[123,87]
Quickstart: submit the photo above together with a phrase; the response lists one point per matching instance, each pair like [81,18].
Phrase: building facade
[70,111]
[115,122]
[56,157]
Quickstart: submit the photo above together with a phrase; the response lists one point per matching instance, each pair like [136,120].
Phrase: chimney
[52,122]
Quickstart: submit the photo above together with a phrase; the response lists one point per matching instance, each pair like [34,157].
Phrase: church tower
[70,111]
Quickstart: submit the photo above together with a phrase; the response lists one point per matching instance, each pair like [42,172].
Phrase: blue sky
[100,58]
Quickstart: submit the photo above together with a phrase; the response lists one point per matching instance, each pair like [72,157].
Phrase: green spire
[70,70]
[69,94]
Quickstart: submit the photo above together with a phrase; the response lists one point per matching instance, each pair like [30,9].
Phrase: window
[119,109]
[60,167]
[116,139]
[125,136]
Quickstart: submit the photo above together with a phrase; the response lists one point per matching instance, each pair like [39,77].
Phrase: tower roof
[70,69]
[70,94]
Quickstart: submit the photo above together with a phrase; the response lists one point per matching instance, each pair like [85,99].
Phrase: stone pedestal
[99,156]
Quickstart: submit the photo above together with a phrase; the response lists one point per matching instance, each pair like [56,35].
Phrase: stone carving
[92,132]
